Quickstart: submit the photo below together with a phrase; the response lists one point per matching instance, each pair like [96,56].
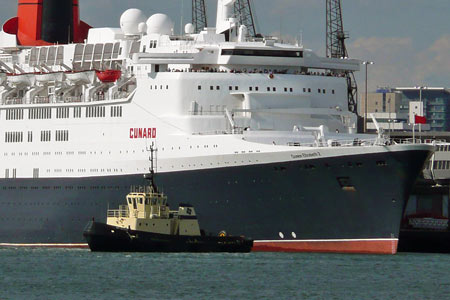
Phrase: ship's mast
[243,10]
[336,37]
[199,15]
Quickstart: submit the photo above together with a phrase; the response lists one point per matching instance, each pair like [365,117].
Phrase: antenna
[199,15]
[243,9]
[335,42]
[181,17]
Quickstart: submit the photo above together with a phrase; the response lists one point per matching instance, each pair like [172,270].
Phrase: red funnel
[46,22]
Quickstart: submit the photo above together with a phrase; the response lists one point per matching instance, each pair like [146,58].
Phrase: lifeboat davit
[2,78]
[108,76]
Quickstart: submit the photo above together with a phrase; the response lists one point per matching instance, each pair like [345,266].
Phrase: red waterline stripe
[43,245]
[361,246]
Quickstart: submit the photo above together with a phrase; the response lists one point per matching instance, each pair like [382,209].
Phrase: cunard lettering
[142,133]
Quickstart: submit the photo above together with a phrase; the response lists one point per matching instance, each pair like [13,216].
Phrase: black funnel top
[57,21]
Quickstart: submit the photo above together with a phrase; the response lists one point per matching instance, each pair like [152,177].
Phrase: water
[81,274]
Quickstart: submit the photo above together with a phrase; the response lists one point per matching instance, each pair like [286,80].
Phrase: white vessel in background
[250,127]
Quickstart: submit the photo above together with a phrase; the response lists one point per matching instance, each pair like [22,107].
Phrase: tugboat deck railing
[122,212]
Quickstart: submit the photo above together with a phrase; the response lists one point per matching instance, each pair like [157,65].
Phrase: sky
[408,40]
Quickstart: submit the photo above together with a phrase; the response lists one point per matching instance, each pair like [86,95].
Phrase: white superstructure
[202,98]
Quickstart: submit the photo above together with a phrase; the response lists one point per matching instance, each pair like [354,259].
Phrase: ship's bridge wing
[283,56]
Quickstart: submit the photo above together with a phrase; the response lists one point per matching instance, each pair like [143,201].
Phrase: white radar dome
[142,27]
[160,24]
[189,28]
[130,20]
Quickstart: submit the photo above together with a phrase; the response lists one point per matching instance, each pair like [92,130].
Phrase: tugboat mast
[149,176]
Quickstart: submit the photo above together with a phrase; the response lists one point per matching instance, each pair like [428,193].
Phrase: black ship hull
[106,238]
[424,241]
[350,203]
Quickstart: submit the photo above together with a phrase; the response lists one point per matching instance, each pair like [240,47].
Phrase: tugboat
[146,224]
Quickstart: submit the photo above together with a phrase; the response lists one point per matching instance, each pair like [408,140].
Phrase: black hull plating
[424,241]
[106,238]
[296,200]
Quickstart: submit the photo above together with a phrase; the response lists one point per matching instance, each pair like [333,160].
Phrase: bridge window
[269,53]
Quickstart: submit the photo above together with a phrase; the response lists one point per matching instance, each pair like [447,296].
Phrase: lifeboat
[26,79]
[81,77]
[108,76]
[48,77]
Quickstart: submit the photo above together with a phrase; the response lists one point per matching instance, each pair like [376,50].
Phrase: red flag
[420,119]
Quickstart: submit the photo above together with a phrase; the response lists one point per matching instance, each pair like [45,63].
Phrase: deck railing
[122,212]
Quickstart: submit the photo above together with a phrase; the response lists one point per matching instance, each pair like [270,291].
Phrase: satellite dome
[142,27]
[189,28]
[160,24]
[130,20]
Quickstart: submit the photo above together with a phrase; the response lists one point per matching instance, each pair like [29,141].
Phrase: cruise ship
[254,128]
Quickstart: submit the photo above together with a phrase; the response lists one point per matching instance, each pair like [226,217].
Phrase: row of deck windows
[445,148]
[439,165]
[161,87]
[46,136]
[13,137]
[62,135]
[116,111]
[95,112]
[62,113]
[39,113]
[14,114]
[273,89]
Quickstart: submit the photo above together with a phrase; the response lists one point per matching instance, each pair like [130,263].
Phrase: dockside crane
[199,19]
[336,37]
[243,10]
